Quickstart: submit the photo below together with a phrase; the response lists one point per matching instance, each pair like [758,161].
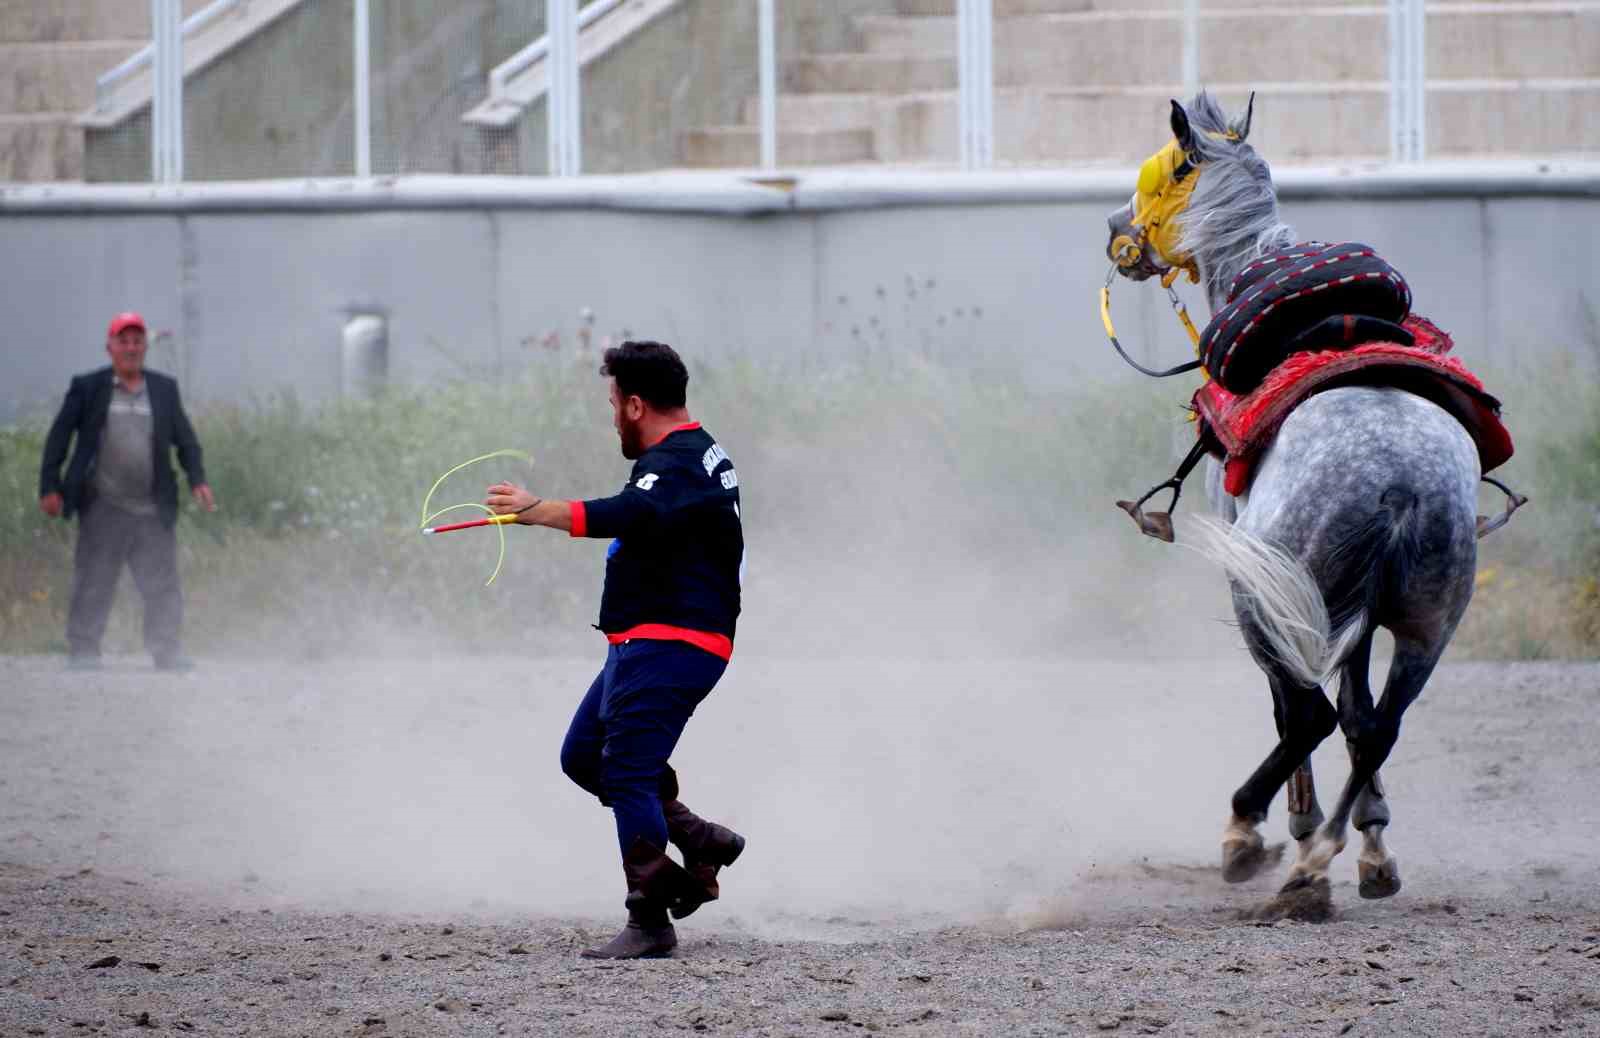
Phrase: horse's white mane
[1232,218]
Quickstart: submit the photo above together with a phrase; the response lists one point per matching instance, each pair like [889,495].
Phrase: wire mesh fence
[429,69]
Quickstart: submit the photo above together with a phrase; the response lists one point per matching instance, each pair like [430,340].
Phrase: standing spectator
[120,483]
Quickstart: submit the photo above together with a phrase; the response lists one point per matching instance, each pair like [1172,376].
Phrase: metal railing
[975,82]
[564,117]
[141,58]
[539,49]
[566,20]
[166,95]
[559,47]
[767,60]
[1408,81]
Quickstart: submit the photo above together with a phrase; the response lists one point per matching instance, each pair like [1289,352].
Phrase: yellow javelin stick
[497,521]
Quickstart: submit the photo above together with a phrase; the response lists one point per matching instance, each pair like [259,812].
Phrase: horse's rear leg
[1376,869]
[1370,734]
[1305,814]
[1305,718]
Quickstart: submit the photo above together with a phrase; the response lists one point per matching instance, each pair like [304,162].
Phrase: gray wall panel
[61,280]
[716,286]
[255,282]
[1542,263]
[275,290]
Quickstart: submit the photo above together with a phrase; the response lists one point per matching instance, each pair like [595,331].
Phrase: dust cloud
[957,695]
[966,689]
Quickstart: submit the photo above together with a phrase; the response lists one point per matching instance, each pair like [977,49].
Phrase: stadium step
[740,146]
[1464,41]
[869,73]
[56,77]
[51,54]
[41,146]
[1295,122]
[1002,8]
[61,21]
[1076,82]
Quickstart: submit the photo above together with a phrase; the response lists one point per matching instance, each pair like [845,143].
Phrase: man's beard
[631,441]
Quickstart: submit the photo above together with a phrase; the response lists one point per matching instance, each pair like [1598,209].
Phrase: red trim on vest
[719,645]
[580,519]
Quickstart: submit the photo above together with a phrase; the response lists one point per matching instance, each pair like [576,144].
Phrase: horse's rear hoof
[1378,880]
[1242,860]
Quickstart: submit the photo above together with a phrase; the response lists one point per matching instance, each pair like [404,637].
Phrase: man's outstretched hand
[505,498]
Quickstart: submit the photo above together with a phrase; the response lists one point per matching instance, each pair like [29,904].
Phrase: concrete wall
[253,283]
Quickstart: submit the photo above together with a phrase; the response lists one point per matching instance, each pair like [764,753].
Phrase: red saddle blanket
[1241,428]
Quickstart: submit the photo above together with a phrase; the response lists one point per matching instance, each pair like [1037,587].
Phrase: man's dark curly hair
[651,371]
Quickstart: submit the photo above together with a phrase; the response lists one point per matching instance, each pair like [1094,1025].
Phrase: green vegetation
[315,549]
[1538,594]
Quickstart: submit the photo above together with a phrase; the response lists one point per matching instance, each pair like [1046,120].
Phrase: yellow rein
[1177,305]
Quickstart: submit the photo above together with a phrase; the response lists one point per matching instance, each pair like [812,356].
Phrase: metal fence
[388,87]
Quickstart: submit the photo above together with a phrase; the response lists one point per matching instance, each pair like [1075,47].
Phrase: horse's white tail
[1283,599]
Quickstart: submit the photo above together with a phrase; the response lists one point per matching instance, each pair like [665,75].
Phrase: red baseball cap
[126,319]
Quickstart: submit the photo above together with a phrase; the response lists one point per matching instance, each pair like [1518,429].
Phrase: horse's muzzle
[1127,248]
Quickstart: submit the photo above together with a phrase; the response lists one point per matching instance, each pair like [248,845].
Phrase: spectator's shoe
[176,663]
[83,661]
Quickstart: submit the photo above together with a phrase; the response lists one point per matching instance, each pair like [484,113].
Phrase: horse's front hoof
[1244,859]
[1378,879]
[1305,899]
[1299,881]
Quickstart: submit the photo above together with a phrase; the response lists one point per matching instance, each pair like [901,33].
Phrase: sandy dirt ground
[937,846]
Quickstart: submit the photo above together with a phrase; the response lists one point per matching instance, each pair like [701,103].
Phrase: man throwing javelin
[668,610]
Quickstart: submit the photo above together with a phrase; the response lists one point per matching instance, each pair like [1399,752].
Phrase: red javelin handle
[496,521]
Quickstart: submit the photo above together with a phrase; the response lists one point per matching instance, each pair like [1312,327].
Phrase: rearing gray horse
[1361,515]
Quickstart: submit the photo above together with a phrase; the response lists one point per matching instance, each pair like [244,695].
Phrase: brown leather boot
[706,846]
[648,934]
[655,883]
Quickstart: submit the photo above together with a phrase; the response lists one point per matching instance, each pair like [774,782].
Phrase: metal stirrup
[1159,524]
[1514,501]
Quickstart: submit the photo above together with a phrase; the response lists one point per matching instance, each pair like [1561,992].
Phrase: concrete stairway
[1086,81]
[51,52]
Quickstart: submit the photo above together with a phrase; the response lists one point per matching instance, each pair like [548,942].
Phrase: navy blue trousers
[627,725]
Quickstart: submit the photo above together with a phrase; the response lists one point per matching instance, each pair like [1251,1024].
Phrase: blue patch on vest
[614,547]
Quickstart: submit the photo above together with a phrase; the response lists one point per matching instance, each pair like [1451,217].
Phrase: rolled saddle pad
[1310,296]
